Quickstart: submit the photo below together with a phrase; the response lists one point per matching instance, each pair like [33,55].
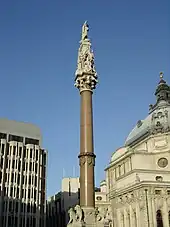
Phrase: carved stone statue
[104,215]
[72,216]
[79,213]
[86,75]
[76,215]
[109,214]
[137,178]
[101,214]
[85,29]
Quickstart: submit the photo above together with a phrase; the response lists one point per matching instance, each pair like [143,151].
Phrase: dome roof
[118,153]
[158,121]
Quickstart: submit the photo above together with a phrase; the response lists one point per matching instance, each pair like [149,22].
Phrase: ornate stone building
[138,176]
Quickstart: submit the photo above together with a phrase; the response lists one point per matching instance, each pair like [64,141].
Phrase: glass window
[20,151]
[36,167]
[2,148]
[13,164]
[1,164]
[30,166]
[30,179]
[19,165]
[31,153]
[36,155]
[18,179]
[29,194]
[14,150]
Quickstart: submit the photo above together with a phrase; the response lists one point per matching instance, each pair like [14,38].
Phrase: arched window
[159,218]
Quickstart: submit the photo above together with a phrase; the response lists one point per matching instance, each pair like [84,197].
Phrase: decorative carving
[159,122]
[139,123]
[137,178]
[87,157]
[109,214]
[72,216]
[90,160]
[76,215]
[104,215]
[101,213]
[82,160]
[79,213]
[86,76]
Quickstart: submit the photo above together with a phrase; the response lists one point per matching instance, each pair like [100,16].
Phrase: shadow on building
[58,206]
[16,213]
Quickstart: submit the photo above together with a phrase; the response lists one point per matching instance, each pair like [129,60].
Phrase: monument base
[90,217]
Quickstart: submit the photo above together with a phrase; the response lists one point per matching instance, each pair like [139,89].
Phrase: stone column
[165,213]
[150,210]
[138,218]
[126,218]
[87,157]
[85,81]
[154,211]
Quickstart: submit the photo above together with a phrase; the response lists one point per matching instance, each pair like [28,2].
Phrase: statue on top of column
[85,29]
[86,75]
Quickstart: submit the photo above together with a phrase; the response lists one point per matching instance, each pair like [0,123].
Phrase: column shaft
[87,157]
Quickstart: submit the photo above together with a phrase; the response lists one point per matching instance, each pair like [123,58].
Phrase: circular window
[162,162]
[99,198]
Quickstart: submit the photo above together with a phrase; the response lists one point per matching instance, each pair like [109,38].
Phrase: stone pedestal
[90,217]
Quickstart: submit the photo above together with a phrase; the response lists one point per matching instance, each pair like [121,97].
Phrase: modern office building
[23,166]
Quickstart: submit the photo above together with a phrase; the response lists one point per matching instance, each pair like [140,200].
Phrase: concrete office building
[22,175]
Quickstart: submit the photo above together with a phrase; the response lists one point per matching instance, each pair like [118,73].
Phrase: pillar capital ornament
[86,75]
[88,158]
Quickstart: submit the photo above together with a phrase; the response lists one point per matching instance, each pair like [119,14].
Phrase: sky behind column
[39,43]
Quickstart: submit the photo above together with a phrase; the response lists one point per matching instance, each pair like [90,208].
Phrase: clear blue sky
[39,41]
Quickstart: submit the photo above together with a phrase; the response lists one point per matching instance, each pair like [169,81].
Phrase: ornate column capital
[87,157]
[86,75]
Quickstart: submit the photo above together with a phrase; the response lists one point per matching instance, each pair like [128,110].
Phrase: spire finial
[85,29]
[161,75]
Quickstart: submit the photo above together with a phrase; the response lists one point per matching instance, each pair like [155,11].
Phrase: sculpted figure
[79,213]
[72,215]
[101,214]
[89,62]
[85,30]
[109,213]
[137,178]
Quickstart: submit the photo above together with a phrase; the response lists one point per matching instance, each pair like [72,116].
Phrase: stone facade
[137,177]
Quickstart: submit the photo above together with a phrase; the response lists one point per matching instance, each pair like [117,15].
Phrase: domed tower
[138,181]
